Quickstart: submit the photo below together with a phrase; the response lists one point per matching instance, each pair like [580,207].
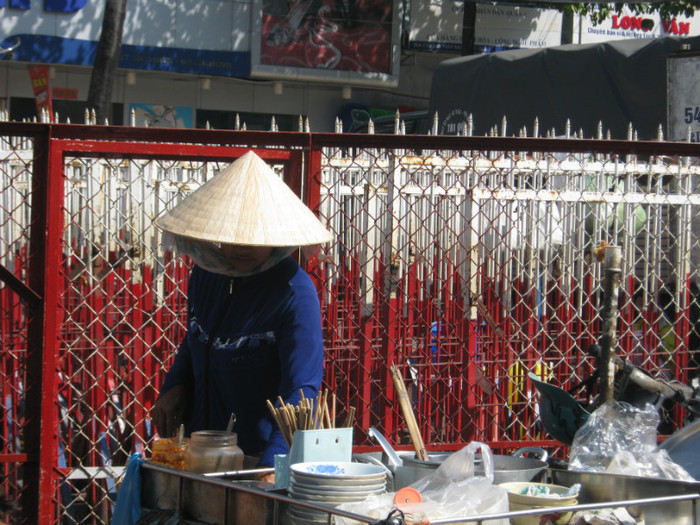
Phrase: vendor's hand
[169,411]
[268,477]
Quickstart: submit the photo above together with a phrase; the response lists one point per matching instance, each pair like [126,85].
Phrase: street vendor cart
[198,499]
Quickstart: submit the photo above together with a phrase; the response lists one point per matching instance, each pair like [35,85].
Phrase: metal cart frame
[202,500]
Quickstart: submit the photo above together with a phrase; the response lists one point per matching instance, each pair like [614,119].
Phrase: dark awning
[617,83]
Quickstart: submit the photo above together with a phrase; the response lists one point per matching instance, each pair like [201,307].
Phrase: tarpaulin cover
[617,83]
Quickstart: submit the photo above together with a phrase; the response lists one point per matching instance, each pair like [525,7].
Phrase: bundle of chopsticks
[309,414]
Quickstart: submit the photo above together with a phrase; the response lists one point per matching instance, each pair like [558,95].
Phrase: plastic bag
[451,491]
[657,464]
[620,438]
[616,516]
[127,511]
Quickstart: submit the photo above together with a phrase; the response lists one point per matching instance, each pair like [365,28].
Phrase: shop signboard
[436,25]
[626,25]
[206,37]
[514,27]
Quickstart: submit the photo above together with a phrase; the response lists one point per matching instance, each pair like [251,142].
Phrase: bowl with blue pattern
[334,472]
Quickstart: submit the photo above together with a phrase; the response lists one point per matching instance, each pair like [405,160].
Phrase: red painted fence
[424,273]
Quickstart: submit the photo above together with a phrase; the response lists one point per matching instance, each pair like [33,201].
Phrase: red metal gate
[462,259]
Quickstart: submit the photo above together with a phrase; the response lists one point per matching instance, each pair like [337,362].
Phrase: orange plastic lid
[407,495]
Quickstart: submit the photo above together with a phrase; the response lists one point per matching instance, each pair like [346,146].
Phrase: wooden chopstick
[308,414]
[408,414]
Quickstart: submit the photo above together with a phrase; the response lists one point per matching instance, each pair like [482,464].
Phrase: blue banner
[56,50]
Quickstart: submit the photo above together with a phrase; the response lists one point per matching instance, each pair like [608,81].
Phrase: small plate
[309,514]
[339,489]
[334,499]
[329,469]
[329,481]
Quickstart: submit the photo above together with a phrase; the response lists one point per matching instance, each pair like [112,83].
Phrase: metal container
[195,498]
[599,487]
[683,446]
[411,469]
[213,451]
[406,468]
[515,467]
[206,500]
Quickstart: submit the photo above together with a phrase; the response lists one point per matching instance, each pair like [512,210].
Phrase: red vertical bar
[364,385]
[41,437]
[135,416]
[146,368]
[100,347]
[311,194]
[387,338]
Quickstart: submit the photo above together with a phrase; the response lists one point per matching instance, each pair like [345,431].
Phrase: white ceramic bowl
[518,501]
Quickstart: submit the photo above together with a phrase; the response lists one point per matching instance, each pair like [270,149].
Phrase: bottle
[213,451]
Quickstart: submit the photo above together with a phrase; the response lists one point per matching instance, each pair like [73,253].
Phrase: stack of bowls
[330,484]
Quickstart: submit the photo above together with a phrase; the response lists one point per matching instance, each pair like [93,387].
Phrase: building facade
[216,63]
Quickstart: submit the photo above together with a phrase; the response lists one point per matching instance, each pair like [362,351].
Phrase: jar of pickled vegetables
[213,451]
[170,452]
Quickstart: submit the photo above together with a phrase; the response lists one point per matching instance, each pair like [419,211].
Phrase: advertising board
[627,24]
[207,37]
[436,25]
[334,41]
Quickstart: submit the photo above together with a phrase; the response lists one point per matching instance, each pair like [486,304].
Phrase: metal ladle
[231,422]
[393,458]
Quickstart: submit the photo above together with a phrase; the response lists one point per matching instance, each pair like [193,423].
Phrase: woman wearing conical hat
[253,319]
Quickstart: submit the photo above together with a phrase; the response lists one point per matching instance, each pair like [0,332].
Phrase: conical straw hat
[246,203]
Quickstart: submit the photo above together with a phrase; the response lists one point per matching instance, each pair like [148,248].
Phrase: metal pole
[608,340]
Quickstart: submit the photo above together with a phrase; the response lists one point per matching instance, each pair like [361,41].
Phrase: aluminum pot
[516,467]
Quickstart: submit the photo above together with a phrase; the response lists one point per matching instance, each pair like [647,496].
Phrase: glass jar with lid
[213,451]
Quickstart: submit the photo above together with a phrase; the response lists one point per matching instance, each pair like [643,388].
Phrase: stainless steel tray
[199,499]
[598,487]
[203,500]
[206,500]
[683,446]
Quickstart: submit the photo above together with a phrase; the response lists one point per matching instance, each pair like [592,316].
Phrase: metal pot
[515,467]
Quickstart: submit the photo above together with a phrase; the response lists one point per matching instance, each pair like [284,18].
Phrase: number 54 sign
[684,98]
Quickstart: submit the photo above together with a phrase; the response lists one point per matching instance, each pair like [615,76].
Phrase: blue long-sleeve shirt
[268,343]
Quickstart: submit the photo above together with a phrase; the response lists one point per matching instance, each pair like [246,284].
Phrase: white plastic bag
[452,491]
[620,438]
[656,464]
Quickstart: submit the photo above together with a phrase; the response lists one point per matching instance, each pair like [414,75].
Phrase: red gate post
[41,422]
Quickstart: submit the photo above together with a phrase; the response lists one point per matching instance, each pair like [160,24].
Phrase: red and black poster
[39,76]
[341,35]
